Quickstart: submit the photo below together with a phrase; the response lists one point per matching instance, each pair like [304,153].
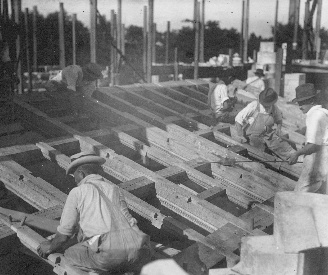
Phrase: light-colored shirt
[256,82]
[71,75]
[217,97]
[248,114]
[86,207]
[317,125]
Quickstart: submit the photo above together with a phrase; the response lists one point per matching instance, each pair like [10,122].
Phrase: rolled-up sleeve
[243,116]
[70,216]
[124,209]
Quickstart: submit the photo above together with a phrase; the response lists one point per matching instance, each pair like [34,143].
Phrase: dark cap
[268,96]
[304,92]
[92,71]
[259,72]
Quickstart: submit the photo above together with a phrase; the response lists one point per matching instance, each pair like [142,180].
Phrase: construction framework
[158,145]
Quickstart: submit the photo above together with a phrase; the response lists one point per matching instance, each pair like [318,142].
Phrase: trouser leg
[280,147]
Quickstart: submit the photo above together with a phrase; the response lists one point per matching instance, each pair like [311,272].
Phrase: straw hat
[86,157]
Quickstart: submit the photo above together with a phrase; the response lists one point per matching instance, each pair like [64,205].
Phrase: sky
[227,12]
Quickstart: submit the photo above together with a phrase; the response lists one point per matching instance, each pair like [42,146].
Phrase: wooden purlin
[175,132]
[161,221]
[124,159]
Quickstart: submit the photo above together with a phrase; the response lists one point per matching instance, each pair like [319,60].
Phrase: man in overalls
[314,176]
[254,124]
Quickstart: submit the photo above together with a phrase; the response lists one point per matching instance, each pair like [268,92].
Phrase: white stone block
[301,221]
[267,47]
[266,57]
[291,81]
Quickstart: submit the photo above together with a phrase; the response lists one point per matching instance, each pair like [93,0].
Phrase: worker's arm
[278,129]
[124,209]
[48,247]
[308,149]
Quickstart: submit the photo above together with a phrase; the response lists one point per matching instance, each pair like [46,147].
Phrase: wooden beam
[154,43]
[202,33]
[35,42]
[196,51]
[150,39]
[93,30]
[62,62]
[145,47]
[28,49]
[246,27]
[74,38]
[167,42]
[18,7]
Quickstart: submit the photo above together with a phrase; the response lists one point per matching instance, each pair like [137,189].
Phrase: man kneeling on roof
[221,100]
[96,232]
[75,82]
[255,124]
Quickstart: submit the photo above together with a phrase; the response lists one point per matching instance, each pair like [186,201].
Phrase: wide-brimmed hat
[85,157]
[304,92]
[268,96]
[259,72]
[92,71]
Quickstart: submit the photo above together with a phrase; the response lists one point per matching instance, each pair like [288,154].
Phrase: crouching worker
[254,124]
[108,238]
[75,82]
[221,100]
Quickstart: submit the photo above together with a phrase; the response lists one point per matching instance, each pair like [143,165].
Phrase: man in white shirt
[254,124]
[108,238]
[315,167]
[221,100]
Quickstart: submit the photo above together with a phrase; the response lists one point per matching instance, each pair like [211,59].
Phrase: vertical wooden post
[275,26]
[123,39]
[35,43]
[12,4]
[119,28]
[144,57]
[154,43]
[305,30]
[167,44]
[27,46]
[245,55]
[74,37]
[230,57]
[241,49]
[195,13]
[150,38]
[278,72]
[196,54]
[317,29]
[18,7]
[5,12]
[176,64]
[296,23]
[61,36]
[202,33]
[255,56]
[93,30]
[113,51]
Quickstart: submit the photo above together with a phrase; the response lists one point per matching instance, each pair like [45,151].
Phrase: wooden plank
[36,191]
[211,193]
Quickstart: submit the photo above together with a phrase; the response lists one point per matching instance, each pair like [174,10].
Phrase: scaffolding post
[74,37]
[167,44]
[202,33]
[150,38]
[61,36]
[144,56]
[93,30]
[35,43]
[28,49]
[18,8]
[196,54]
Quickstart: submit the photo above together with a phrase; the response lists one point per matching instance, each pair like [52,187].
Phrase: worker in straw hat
[75,82]
[255,124]
[315,167]
[96,232]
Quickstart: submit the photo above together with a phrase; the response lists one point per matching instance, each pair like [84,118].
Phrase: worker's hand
[293,158]
[242,139]
[44,249]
